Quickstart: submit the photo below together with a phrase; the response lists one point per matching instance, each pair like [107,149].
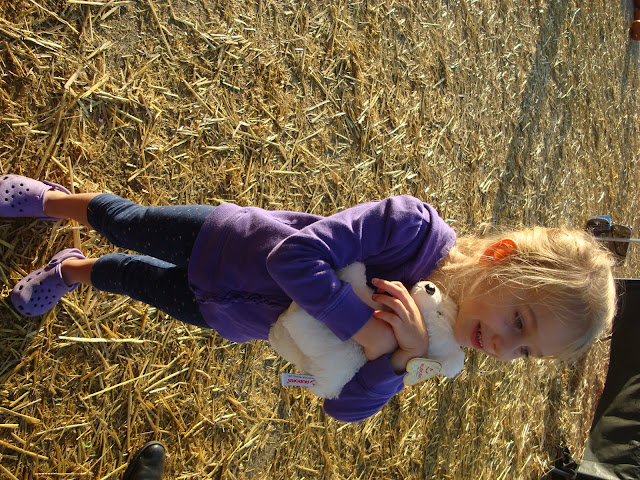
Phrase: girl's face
[504,323]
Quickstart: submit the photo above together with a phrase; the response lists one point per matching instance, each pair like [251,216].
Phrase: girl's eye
[518,322]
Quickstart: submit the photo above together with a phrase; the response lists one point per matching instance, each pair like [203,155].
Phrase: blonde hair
[565,269]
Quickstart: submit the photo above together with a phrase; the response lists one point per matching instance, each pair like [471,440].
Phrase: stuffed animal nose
[430,288]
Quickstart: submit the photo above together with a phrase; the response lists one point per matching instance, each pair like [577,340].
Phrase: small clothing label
[297,380]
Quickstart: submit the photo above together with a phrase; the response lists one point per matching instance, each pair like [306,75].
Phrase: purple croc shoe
[39,291]
[24,197]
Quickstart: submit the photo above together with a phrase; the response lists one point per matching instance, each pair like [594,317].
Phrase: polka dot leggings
[165,237]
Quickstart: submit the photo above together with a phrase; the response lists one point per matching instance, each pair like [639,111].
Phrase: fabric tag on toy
[420,369]
[297,380]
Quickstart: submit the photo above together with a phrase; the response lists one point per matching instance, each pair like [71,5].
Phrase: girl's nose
[505,347]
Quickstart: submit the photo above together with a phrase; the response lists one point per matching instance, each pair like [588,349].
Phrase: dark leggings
[165,236]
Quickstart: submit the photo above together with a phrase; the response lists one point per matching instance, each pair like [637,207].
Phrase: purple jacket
[248,264]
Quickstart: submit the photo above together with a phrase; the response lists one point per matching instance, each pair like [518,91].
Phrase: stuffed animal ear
[498,251]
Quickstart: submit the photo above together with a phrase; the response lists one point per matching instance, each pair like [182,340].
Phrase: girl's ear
[498,251]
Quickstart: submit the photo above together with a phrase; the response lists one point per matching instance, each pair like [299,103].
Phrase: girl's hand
[404,318]
[376,338]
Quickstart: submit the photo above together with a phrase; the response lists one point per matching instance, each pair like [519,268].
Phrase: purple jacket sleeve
[305,263]
[367,392]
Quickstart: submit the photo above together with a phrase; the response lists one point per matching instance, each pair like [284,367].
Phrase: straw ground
[510,112]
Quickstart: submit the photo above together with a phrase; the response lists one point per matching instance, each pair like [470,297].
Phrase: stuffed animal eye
[430,288]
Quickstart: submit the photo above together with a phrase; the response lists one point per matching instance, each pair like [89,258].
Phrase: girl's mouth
[476,338]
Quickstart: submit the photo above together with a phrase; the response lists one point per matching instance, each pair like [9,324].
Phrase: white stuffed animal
[313,348]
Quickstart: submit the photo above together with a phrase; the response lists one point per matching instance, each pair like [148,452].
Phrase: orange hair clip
[498,251]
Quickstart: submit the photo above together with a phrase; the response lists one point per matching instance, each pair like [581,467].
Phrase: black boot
[147,464]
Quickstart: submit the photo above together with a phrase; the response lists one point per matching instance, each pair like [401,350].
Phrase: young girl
[536,292]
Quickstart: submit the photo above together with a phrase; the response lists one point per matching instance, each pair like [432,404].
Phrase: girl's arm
[376,338]
[404,317]
[366,393]
[387,232]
